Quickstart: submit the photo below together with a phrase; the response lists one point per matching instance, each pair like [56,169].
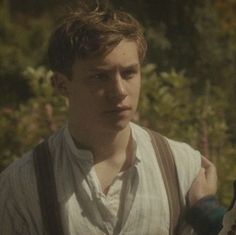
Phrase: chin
[117,126]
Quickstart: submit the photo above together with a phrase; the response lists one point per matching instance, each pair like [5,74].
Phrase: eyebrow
[105,69]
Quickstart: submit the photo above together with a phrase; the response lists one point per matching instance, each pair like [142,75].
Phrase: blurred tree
[35,119]
[227,15]
[21,45]
[168,105]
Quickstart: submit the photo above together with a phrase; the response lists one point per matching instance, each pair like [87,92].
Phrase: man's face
[103,92]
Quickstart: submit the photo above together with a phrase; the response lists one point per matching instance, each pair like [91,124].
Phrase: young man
[108,180]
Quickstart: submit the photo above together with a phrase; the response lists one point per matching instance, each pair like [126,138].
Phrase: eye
[99,76]
[129,73]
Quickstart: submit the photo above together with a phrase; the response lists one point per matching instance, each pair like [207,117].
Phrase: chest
[105,175]
[141,205]
[108,171]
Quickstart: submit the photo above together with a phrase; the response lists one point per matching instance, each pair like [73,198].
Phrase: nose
[118,89]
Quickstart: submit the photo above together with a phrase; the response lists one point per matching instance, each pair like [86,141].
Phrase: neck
[103,144]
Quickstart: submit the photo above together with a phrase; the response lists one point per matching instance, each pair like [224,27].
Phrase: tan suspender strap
[168,169]
[46,184]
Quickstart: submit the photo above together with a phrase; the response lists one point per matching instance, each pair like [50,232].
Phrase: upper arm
[188,164]
[12,221]
[19,206]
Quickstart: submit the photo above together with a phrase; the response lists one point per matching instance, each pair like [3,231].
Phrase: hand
[205,183]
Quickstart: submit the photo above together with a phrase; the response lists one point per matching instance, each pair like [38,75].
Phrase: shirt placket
[107,219]
[128,197]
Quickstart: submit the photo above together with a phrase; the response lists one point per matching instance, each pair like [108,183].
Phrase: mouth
[119,109]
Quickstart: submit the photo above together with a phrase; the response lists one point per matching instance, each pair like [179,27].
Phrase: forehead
[123,55]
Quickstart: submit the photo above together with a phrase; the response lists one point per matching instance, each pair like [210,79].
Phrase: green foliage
[22,44]
[164,102]
[169,105]
[33,120]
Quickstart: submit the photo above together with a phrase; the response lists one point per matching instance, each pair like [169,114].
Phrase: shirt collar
[136,142]
[87,155]
[79,153]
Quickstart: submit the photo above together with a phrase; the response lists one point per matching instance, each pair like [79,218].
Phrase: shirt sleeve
[188,164]
[12,222]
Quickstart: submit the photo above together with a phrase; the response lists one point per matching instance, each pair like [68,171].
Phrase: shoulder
[188,163]
[18,165]
[187,159]
[18,174]
[184,153]
[24,165]
[18,190]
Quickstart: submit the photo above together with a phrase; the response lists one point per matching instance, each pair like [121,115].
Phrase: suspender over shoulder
[50,209]
[168,170]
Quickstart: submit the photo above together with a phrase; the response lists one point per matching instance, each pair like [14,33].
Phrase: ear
[60,83]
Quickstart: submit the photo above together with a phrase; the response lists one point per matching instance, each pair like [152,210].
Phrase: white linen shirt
[136,202]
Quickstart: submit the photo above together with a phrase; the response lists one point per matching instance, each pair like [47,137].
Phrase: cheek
[98,93]
[88,101]
[135,87]
[95,90]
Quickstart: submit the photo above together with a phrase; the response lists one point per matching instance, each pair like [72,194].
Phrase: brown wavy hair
[84,33]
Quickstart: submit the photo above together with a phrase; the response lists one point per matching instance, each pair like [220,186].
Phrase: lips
[118,109]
